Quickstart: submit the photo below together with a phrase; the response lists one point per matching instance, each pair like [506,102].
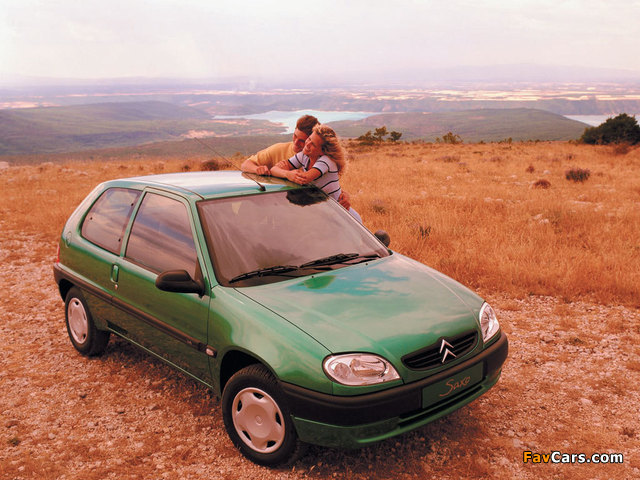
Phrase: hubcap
[78,322]
[258,420]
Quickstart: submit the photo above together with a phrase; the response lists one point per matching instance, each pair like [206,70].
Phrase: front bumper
[350,422]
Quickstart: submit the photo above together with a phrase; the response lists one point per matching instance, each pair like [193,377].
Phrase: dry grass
[486,224]
[477,219]
[568,384]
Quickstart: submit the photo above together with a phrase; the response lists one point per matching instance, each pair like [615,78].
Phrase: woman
[320,162]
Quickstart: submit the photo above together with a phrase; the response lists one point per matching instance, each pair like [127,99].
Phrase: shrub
[621,149]
[530,169]
[378,136]
[578,174]
[621,129]
[215,164]
[449,158]
[450,138]
[542,183]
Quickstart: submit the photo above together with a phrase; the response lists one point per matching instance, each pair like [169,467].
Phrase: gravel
[570,384]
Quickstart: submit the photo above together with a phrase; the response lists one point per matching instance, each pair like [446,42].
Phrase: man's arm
[283,169]
[250,165]
[345,200]
[262,162]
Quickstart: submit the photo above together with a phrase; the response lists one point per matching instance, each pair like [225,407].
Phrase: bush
[378,136]
[450,138]
[542,183]
[578,174]
[621,129]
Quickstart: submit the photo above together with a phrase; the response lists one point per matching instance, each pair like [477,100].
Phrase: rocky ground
[570,384]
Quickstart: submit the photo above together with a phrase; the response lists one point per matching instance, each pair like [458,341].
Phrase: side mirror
[178,281]
[383,237]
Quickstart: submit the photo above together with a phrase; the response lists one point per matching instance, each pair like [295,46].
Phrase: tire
[84,335]
[257,417]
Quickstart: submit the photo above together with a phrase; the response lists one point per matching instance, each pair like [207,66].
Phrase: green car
[305,324]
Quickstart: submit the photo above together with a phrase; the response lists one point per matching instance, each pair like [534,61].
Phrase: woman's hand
[297,176]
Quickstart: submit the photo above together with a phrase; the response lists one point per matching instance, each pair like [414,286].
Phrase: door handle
[114,273]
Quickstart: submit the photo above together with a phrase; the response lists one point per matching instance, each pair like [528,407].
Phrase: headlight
[359,369]
[488,322]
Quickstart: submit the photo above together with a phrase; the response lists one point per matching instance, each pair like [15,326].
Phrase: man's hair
[331,146]
[306,123]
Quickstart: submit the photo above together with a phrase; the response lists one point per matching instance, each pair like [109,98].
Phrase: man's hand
[262,170]
[344,200]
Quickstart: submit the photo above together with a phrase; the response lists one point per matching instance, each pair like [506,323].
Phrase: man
[262,162]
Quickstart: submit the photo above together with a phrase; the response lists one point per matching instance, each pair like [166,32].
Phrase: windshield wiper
[263,272]
[339,258]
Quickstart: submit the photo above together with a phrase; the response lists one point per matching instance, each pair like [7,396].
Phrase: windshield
[270,237]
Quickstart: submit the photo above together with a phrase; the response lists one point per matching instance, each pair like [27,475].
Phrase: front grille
[431,357]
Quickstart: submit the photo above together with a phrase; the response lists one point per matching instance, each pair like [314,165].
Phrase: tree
[394,136]
[450,138]
[620,129]
[378,135]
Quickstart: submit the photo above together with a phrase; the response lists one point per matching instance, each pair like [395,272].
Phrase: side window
[161,237]
[105,223]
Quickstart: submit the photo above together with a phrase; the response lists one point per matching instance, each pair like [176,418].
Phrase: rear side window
[161,237]
[106,221]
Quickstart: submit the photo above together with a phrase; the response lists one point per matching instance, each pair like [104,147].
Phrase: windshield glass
[249,235]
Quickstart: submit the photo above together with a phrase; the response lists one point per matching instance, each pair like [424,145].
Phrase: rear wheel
[84,335]
[257,417]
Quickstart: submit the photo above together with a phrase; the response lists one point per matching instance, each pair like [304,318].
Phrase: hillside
[84,127]
[558,260]
[489,125]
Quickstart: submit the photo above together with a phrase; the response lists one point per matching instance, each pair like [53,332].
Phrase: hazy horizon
[329,42]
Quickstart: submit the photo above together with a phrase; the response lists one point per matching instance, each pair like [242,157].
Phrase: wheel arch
[234,361]
[63,287]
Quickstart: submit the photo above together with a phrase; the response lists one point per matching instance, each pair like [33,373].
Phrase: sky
[333,39]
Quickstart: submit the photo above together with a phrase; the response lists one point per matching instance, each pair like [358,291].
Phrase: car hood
[391,306]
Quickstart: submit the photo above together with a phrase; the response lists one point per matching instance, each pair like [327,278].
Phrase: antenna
[250,177]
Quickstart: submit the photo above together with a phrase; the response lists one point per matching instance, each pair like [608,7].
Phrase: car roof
[208,184]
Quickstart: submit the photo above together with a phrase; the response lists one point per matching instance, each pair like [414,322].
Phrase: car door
[171,325]
[93,255]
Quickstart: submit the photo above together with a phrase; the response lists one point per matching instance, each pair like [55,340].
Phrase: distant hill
[489,125]
[94,126]
[50,130]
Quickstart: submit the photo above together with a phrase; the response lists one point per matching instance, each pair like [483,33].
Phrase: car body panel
[378,306]
[391,306]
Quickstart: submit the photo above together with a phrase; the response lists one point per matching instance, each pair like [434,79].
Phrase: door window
[161,237]
[107,219]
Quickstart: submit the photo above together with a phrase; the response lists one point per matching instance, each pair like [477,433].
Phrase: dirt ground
[570,385]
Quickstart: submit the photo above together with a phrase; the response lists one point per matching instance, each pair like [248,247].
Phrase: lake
[593,120]
[289,119]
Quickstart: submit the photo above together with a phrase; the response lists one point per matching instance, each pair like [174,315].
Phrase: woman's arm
[309,176]
[283,170]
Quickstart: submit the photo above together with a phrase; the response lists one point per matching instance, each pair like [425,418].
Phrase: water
[593,120]
[289,119]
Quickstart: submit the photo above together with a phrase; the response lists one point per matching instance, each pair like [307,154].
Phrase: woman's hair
[331,145]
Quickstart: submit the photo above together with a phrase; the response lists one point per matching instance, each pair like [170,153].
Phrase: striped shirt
[328,181]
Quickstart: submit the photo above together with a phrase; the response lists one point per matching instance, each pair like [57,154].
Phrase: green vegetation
[86,127]
[578,175]
[621,129]
[378,136]
[488,125]
[450,138]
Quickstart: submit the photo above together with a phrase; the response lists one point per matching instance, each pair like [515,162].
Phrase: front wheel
[257,417]
[84,335]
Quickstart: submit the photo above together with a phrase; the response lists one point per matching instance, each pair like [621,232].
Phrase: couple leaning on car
[314,155]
